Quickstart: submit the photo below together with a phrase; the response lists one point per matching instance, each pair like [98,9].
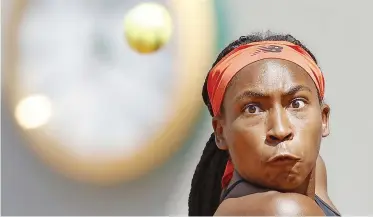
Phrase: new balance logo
[269,48]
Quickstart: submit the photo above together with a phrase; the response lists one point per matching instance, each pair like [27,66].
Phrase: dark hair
[204,197]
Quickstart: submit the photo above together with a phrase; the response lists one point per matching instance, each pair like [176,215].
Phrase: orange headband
[244,55]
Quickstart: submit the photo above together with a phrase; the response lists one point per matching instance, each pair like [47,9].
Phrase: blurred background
[101,112]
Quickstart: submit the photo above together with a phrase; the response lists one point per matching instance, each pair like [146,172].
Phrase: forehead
[270,76]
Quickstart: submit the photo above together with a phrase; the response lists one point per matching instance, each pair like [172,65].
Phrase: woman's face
[272,123]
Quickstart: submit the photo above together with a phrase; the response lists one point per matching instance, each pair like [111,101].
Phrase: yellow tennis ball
[148,26]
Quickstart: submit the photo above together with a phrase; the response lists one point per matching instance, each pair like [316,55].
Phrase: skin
[271,203]
[247,189]
[271,108]
[321,188]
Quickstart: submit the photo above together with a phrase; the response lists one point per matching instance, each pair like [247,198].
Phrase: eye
[297,103]
[252,109]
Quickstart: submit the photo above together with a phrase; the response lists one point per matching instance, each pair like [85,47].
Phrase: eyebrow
[256,94]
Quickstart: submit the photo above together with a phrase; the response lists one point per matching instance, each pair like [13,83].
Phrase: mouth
[284,158]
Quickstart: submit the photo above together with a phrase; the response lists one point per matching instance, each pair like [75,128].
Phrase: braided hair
[204,197]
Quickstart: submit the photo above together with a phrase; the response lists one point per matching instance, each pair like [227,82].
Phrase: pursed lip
[284,158]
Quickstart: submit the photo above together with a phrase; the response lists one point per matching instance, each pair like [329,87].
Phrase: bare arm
[270,204]
[253,203]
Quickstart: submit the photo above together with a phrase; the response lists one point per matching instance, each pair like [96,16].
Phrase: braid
[204,196]
[206,188]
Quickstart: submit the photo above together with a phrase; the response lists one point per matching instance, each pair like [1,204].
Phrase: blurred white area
[103,93]
[33,111]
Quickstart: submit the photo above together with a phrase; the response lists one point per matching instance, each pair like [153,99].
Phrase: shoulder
[270,204]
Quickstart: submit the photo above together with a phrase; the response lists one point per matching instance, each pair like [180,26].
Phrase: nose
[279,126]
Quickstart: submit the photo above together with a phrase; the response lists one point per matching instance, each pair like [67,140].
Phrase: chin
[288,183]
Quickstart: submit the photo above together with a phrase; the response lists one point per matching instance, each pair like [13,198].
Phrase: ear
[325,112]
[218,125]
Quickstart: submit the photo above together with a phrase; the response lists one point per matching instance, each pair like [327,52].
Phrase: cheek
[308,134]
[246,144]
